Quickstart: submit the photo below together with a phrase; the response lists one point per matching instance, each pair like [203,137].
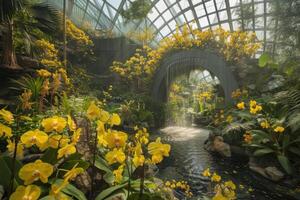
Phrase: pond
[189,159]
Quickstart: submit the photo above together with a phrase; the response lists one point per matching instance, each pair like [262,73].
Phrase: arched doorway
[185,61]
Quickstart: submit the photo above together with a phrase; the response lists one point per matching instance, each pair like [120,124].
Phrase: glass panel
[184,4]
[200,10]
[167,15]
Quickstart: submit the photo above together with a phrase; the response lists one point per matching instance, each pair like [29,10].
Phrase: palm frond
[47,17]
[8,8]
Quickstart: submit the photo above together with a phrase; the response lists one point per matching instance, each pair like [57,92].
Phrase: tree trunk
[9,59]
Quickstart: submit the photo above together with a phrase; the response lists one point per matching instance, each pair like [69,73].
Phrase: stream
[188,159]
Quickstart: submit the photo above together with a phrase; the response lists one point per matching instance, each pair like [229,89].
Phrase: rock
[221,147]
[271,173]
[274,173]
[259,170]
[216,144]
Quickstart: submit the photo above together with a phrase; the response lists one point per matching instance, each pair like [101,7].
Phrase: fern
[238,127]
[294,121]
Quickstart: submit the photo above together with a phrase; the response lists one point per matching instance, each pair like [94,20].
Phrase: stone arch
[184,61]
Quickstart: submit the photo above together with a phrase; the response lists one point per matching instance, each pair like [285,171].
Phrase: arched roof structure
[165,15]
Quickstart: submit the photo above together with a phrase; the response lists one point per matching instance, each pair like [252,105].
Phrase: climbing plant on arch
[224,46]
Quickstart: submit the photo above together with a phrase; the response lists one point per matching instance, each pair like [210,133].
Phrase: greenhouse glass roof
[166,15]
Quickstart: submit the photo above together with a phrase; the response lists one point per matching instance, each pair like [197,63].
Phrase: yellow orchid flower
[43,73]
[265,124]
[215,177]
[158,150]
[279,129]
[93,112]
[56,193]
[118,174]
[5,131]
[56,140]
[76,136]
[104,116]
[116,139]
[115,120]
[206,173]
[114,156]
[66,151]
[72,173]
[30,192]
[54,123]
[71,123]
[7,116]
[38,170]
[35,137]
[241,105]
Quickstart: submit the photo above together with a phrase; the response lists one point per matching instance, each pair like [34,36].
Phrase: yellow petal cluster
[7,116]
[279,129]
[35,137]
[35,171]
[5,131]
[115,156]
[30,192]
[158,150]
[54,123]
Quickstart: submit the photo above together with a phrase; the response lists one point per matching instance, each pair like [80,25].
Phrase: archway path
[184,61]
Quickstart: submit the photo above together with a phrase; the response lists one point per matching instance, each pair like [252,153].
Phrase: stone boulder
[217,144]
[271,172]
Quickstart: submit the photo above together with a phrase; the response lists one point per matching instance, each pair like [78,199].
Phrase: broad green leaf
[69,164]
[102,164]
[6,164]
[71,190]
[120,195]
[285,163]
[109,177]
[107,192]
[263,60]
[50,156]
[262,152]
[48,197]
[261,134]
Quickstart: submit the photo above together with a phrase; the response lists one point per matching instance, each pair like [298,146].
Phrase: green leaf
[107,192]
[285,163]
[109,177]
[262,152]
[69,164]
[71,190]
[263,60]
[102,164]
[258,134]
[50,156]
[6,165]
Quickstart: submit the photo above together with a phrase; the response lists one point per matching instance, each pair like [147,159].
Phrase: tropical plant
[137,10]
[42,16]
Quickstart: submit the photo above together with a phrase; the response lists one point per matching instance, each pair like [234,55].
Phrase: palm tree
[44,17]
